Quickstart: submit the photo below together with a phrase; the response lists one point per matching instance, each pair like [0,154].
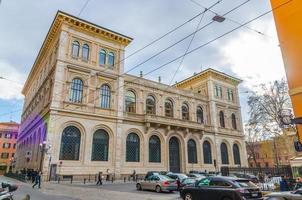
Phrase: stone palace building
[82,114]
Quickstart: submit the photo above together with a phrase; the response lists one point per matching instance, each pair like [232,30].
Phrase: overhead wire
[201,46]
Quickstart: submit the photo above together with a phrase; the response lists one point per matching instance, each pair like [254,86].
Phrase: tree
[253,138]
[265,107]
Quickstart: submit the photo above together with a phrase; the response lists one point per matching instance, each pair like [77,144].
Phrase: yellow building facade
[88,116]
[288,24]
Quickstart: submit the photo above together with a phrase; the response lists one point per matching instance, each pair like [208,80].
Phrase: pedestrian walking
[100,179]
[284,184]
[37,180]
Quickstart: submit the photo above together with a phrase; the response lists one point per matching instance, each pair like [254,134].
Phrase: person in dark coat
[100,179]
[37,180]
[284,185]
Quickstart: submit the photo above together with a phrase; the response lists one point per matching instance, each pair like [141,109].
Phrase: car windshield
[189,180]
[244,183]
[181,176]
[165,178]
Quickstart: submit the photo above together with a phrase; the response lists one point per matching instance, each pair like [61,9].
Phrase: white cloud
[254,58]
[11,88]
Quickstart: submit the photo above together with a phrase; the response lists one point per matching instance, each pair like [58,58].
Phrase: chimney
[141,74]
[159,79]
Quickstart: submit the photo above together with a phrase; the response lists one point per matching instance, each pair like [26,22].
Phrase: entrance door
[53,172]
[174,156]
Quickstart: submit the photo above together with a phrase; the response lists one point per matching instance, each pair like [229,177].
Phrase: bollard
[124,179]
[84,181]
[89,178]
[59,180]
[112,179]
[71,180]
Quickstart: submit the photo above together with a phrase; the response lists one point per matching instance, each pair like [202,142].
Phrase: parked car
[151,173]
[157,183]
[221,188]
[177,176]
[197,176]
[187,182]
[250,177]
[294,195]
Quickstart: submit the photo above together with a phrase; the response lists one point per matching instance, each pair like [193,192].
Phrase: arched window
[154,149]
[102,57]
[192,151]
[207,153]
[85,52]
[100,146]
[185,111]
[76,92]
[199,115]
[70,143]
[75,50]
[150,105]
[236,154]
[130,101]
[111,59]
[221,119]
[224,154]
[132,148]
[168,108]
[234,124]
[105,96]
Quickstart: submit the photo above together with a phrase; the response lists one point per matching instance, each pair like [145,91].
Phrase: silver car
[294,195]
[158,183]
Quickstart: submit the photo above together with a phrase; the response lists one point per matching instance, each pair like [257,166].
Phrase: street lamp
[44,150]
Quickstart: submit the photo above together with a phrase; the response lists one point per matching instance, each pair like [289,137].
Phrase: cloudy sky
[252,57]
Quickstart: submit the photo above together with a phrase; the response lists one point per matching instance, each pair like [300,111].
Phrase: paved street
[54,191]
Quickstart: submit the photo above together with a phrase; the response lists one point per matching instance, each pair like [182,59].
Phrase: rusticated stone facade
[93,117]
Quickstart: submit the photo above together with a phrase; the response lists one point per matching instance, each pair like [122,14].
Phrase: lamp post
[44,150]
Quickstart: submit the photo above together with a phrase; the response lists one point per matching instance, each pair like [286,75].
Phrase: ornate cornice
[206,74]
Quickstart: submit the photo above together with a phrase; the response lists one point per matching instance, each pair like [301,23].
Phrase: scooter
[6,191]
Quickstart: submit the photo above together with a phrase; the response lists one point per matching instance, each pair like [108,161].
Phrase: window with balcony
[199,115]
[76,91]
[185,111]
[75,50]
[130,101]
[168,108]
[105,96]
[150,105]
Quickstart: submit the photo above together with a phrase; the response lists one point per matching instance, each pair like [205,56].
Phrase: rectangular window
[230,95]
[4,155]
[8,135]
[6,145]
[14,146]
[218,91]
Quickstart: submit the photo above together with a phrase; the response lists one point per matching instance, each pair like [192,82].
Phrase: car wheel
[188,196]
[138,186]
[158,189]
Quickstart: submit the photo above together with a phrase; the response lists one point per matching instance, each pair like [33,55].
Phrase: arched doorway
[174,155]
